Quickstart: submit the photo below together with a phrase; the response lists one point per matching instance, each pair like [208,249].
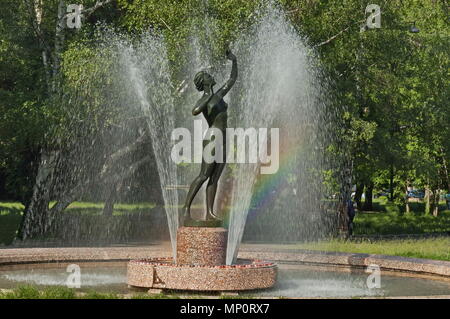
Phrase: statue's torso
[216,113]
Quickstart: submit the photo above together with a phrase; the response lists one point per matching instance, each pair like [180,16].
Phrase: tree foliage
[392,85]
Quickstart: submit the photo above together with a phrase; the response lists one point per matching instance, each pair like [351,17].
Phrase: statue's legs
[206,172]
[211,190]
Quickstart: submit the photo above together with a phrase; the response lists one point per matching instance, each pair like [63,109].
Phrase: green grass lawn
[388,223]
[387,219]
[60,292]
[429,248]
[10,217]
[97,208]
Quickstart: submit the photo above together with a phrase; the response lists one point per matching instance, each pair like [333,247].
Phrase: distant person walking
[351,215]
[447,200]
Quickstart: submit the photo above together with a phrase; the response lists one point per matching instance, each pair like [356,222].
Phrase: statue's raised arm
[234,73]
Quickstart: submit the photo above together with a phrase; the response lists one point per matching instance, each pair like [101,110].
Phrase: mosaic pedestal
[201,246]
[200,265]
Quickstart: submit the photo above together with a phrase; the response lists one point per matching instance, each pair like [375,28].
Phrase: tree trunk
[38,216]
[111,198]
[345,196]
[368,203]
[35,8]
[59,45]
[358,195]
[446,171]
[407,208]
[108,208]
[435,202]
[391,183]
[34,220]
[427,200]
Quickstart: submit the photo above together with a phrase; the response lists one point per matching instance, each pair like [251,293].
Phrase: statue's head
[203,79]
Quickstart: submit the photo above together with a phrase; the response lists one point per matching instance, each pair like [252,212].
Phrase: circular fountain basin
[164,273]
[294,281]
[301,273]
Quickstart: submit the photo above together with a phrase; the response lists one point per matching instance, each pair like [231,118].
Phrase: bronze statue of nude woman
[214,109]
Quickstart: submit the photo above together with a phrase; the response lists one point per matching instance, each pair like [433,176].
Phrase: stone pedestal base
[200,266]
[201,246]
[162,273]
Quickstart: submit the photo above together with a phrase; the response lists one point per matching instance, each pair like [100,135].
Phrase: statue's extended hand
[230,55]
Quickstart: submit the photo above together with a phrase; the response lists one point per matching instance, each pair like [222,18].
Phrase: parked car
[415,194]
[382,193]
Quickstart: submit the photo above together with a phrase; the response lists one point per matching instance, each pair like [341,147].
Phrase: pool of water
[293,281]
